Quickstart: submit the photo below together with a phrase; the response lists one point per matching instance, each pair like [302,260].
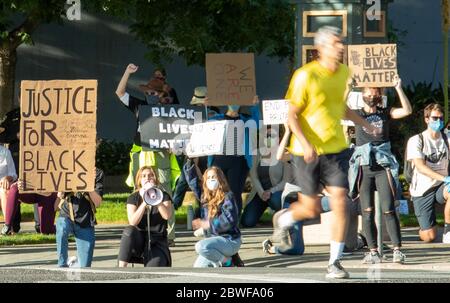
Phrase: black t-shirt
[379,119]
[82,209]
[133,106]
[158,225]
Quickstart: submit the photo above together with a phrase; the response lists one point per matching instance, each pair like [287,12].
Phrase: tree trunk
[445,28]
[8,59]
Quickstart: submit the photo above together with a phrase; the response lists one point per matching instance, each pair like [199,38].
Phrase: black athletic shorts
[327,170]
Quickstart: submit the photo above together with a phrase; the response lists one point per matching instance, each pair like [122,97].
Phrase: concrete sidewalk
[420,256]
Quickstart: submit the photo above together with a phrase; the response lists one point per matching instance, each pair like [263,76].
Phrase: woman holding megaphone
[148,209]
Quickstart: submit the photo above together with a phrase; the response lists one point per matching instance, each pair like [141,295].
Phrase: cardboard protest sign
[167,126]
[207,139]
[275,111]
[230,78]
[58,135]
[373,65]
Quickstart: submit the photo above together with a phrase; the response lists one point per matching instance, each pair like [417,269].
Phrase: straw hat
[199,95]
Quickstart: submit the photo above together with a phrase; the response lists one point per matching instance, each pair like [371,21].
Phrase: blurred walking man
[317,95]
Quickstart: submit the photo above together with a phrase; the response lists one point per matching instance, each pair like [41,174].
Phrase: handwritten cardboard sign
[58,135]
[275,111]
[207,139]
[373,65]
[230,78]
[167,126]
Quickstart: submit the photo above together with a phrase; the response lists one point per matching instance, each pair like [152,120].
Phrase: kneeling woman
[219,223]
[134,242]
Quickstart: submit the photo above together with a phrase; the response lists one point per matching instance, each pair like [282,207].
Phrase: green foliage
[192,28]
[113,157]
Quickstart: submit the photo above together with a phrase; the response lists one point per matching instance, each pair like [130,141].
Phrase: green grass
[29,238]
[411,220]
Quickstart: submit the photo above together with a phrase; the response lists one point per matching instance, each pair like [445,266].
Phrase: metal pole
[379,223]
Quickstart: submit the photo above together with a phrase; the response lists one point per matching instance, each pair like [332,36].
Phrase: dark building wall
[101,48]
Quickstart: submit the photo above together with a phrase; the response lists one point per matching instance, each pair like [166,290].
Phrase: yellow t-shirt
[320,93]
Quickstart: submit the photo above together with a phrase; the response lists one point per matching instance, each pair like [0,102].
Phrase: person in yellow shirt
[317,95]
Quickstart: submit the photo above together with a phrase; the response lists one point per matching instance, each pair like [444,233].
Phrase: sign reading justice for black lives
[167,126]
[373,65]
[58,135]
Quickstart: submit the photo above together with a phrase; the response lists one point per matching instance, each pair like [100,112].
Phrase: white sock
[286,220]
[336,249]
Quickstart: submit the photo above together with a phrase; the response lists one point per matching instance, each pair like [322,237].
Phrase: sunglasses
[434,118]
[152,93]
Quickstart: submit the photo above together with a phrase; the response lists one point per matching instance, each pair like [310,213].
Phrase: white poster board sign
[207,139]
[275,111]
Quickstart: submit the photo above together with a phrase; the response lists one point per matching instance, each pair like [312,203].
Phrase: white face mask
[212,184]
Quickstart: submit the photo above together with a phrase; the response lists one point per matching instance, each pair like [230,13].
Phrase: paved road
[37,263]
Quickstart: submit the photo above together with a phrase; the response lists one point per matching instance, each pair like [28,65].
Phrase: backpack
[407,164]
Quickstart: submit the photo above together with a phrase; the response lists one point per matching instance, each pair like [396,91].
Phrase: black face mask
[374,101]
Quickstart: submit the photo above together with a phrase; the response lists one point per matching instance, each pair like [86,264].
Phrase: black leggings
[378,180]
[236,170]
[134,243]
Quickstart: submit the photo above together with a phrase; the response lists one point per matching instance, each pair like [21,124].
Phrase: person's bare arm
[425,170]
[309,153]
[281,151]
[135,213]
[121,87]
[165,210]
[406,109]
[357,119]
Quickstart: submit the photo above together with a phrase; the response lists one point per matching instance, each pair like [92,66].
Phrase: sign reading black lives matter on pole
[58,135]
[275,111]
[167,126]
[373,65]
[230,78]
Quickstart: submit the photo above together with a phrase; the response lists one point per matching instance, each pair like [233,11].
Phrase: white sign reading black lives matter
[373,65]
[167,126]
[58,135]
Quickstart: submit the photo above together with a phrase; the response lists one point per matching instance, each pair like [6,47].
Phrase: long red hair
[214,198]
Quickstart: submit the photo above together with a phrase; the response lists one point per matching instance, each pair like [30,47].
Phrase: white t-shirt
[7,167]
[436,157]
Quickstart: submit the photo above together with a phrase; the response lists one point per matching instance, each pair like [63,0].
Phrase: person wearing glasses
[429,154]
[373,167]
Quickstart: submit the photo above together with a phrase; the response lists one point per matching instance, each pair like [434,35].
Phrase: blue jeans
[296,232]
[256,207]
[84,238]
[212,250]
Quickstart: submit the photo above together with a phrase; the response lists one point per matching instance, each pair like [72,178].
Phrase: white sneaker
[446,238]
[73,262]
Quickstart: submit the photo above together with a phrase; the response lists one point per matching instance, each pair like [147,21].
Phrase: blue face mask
[436,125]
[234,108]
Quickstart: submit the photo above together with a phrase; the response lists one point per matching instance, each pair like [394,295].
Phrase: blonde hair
[137,182]
[214,198]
